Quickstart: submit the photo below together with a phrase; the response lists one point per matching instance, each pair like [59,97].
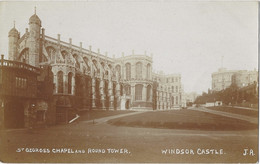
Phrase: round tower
[34,40]
[13,36]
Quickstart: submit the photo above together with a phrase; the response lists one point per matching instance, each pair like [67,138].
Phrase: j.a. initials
[248,152]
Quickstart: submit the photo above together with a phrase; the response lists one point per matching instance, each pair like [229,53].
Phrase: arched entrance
[127,104]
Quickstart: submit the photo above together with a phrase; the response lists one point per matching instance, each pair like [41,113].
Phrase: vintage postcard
[129,82]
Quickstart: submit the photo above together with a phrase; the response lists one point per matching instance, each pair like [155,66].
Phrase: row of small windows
[168,80]
[174,100]
[20,82]
[173,79]
[172,89]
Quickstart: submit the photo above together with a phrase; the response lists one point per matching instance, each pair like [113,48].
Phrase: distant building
[169,92]
[244,78]
[191,97]
[224,78]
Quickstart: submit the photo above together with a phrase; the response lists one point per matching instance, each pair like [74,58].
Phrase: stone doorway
[127,104]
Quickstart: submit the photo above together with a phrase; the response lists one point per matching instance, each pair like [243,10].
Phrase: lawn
[95,114]
[246,112]
[183,119]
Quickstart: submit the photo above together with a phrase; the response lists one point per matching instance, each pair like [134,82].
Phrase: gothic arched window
[138,92]
[70,83]
[60,82]
[118,69]
[148,94]
[139,70]
[128,71]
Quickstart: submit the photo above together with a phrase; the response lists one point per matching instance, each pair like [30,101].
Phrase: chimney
[133,52]
[98,51]
[90,48]
[26,30]
[123,55]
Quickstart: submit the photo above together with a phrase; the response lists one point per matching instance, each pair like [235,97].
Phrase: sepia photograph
[148,81]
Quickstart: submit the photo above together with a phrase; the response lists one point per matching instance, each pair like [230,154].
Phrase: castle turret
[13,36]
[34,40]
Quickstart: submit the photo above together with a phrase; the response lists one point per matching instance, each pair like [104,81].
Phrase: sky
[188,37]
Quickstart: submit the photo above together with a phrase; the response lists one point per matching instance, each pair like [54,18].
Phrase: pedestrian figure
[32,117]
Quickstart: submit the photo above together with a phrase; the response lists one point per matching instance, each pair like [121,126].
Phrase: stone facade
[169,91]
[86,80]
[224,78]
[244,78]
[18,91]
[135,72]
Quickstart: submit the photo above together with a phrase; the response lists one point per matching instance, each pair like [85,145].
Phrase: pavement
[226,114]
[240,107]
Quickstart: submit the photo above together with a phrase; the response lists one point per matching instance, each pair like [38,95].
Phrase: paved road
[137,144]
[226,114]
[240,107]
